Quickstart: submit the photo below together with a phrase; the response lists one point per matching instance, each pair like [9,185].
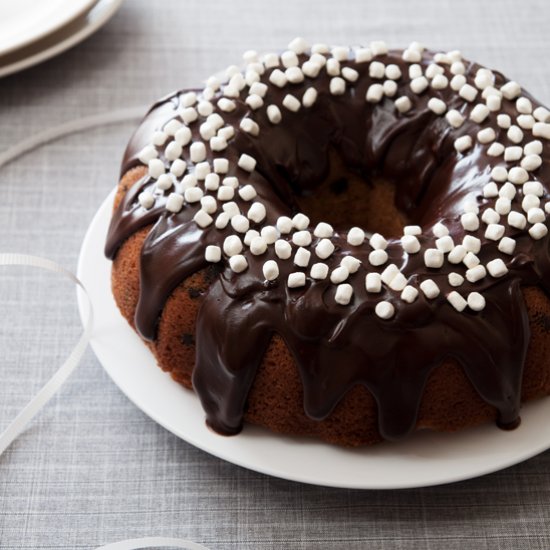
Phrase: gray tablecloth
[92,468]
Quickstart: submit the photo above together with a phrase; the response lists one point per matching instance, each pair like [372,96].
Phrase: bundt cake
[347,243]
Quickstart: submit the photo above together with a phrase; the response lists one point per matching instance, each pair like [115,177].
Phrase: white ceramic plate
[61,40]
[424,459]
[24,21]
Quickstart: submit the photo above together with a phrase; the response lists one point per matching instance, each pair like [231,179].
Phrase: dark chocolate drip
[337,347]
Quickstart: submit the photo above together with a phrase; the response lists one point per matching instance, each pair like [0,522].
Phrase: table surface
[92,468]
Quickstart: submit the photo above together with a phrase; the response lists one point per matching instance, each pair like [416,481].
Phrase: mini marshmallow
[517,220]
[439,82]
[259,89]
[403,104]
[240,224]
[278,78]
[542,114]
[440,230]
[209,204]
[164,182]
[530,201]
[469,221]
[257,212]
[324,248]
[410,244]
[174,203]
[323,230]
[471,244]
[246,162]
[476,302]
[269,234]
[337,86]
[526,122]
[309,97]
[378,242]
[378,257]
[433,258]
[454,118]
[333,67]
[463,143]
[375,93]
[352,264]
[494,231]
[507,245]
[356,236]
[538,231]
[284,224]
[495,149]
[490,216]
[476,273]
[533,188]
[351,75]
[437,106]
[470,260]
[294,75]
[490,190]
[225,193]
[373,282]
[344,293]
[536,215]
[508,191]
[221,166]
[479,113]
[487,135]
[197,152]
[384,310]
[531,163]
[504,121]
[274,114]
[503,206]
[319,271]
[302,257]
[444,244]
[213,254]
[497,268]
[363,55]
[409,294]
[249,126]
[283,249]
[467,92]
[393,72]
[238,263]
[390,88]
[222,220]
[301,238]
[232,245]
[512,154]
[377,69]
[494,103]
[430,289]
[419,84]
[457,254]
[202,218]
[339,275]
[457,82]
[457,301]
[146,199]
[511,90]
[270,270]
[455,279]
[148,153]
[300,221]
[499,174]
[247,193]
[389,273]
[155,168]
[415,230]
[292,103]
[515,134]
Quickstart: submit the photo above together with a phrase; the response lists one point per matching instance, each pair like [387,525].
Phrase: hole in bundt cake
[346,199]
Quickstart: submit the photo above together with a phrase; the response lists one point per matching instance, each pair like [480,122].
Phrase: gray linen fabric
[92,468]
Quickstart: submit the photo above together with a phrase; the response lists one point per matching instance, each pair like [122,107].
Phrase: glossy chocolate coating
[335,346]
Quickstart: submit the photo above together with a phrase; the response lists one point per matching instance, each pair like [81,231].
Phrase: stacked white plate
[31,31]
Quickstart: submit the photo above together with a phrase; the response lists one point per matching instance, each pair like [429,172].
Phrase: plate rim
[92,20]
[543,444]
[65,14]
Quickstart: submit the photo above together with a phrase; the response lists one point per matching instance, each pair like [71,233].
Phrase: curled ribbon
[38,402]
[150,542]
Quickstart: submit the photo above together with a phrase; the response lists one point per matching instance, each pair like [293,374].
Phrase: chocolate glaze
[334,346]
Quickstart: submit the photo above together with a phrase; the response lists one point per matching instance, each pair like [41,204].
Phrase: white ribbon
[38,402]
[56,381]
[150,542]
